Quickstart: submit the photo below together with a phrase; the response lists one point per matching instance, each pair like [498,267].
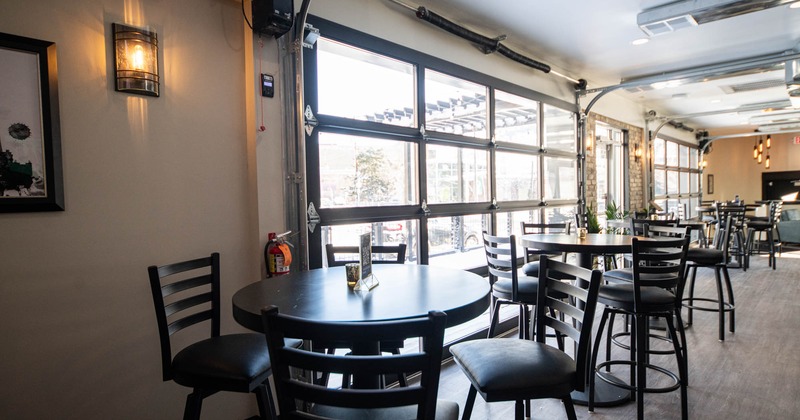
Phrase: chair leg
[473,392]
[494,319]
[691,294]
[593,362]
[266,405]
[194,403]
[609,333]
[682,370]
[641,362]
[569,407]
[682,333]
[732,313]
[720,304]
[401,378]
[518,410]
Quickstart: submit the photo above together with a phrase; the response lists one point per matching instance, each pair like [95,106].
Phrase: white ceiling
[591,40]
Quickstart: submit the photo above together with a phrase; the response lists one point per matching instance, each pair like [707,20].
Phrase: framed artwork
[30,141]
[710,186]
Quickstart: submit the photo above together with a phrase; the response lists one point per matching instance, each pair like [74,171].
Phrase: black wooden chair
[509,369]
[300,399]
[715,258]
[734,233]
[531,266]
[658,281]
[187,294]
[508,286]
[382,254]
[768,226]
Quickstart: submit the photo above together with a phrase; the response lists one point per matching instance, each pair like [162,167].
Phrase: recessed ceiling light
[642,41]
[716,101]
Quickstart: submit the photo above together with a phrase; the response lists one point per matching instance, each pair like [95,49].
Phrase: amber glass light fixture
[755,149]
[769,141]
[136,60]
[766,162]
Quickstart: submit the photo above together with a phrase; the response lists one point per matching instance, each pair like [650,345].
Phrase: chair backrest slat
[501,259]
[581,297]
[295,393]
[190,290]
[658,262]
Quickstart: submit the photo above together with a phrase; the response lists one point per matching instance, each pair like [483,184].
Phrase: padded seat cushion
[235,362]
[532,269]
[704,256]
[527,288]
[621,296]
[622,274]
[759,225]
[445,410]
[502,368]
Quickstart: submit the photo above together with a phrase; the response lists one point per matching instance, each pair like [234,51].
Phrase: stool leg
[641,360]
[721,304]
[470,402]
[494,319]
[691,294]
[609,333]
[593,362]
[681,370]
[732,313]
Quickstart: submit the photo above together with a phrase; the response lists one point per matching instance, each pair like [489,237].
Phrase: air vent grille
[753,86]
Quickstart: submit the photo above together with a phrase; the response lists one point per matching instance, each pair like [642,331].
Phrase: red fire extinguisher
[277,254]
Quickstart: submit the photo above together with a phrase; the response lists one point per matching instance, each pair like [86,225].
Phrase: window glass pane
[684,157]
[455,106]
[672,154]
[672,182]
[560,178]
[660,181]
[693,158]
[456,241]
[362,171]
[516,119]
[517,176]
[383,233]
[559,129]
[353,83]
[694,183]
[684,183]
[457,175]
[659,151]
[561,214]
[510,223]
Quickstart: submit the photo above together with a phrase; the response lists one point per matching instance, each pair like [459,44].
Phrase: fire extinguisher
[277,254]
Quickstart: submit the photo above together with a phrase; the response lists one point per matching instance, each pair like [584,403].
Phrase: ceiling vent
[753,86]
[682,14]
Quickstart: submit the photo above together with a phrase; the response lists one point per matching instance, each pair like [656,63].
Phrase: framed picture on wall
[710,184]
[30,142]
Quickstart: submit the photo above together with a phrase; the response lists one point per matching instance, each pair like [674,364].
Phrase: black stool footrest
[613,380]
[727,307]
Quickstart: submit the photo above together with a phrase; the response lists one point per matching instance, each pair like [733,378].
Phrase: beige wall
[736,172]
[155,180]
[147,181]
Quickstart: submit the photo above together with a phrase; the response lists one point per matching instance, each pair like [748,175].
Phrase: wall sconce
[136,60]
[637,152]
[589,142]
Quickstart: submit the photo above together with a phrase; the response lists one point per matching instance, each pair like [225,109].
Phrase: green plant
[592,225]
[615,212]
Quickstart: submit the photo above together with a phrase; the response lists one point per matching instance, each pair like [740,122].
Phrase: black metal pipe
[486,44]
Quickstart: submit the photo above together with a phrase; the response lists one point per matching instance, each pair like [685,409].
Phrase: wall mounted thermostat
[267,85]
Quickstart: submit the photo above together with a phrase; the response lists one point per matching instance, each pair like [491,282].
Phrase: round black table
[605,395]
[592,244]
[405,291]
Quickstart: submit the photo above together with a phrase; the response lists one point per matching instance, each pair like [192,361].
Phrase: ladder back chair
[300,399]
[511,369]
[187,294]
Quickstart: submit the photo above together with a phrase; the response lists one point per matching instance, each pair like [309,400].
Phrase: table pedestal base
[605,395]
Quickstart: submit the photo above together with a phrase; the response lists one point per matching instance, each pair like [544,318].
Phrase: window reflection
[361,85]
[457,175]
[517,176]
[455,106]
[516,119]
[559,129]
[456,241]
[363,171]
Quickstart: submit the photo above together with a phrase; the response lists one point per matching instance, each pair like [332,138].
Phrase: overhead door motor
[273,17]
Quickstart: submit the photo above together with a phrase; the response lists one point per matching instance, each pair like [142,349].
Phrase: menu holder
[368,281]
